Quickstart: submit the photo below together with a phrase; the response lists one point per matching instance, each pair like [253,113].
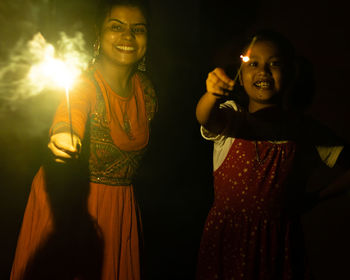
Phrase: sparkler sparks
[35,66]
[60,72]
[245,58]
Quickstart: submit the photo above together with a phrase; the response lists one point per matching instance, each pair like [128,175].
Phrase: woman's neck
[118,77]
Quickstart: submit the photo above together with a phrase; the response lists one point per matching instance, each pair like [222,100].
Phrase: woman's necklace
[126,126]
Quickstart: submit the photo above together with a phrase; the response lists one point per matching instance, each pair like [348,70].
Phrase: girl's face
[124,36]
[263,75]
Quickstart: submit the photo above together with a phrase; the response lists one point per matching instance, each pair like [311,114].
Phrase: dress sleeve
[222,142]
[82,97]
[229,107]
[329,155]
[329,146]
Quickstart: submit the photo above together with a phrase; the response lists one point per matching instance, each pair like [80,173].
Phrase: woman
[62,236]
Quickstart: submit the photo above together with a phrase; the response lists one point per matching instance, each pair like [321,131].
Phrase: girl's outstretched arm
[207,112]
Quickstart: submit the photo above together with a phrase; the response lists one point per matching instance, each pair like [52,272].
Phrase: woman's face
[263,75]
[124,36]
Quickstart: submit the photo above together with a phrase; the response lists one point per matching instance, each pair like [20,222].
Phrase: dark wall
[174,185]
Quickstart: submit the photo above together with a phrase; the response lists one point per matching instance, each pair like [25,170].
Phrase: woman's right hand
[218,83]
[62,147]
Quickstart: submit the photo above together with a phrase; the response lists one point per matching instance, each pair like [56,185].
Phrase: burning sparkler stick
[61,72]
[245,58]
[69,115]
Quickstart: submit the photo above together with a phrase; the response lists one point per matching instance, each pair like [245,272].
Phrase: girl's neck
[118,77]
[254,106]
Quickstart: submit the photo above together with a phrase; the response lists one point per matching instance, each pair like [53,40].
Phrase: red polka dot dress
[248,234]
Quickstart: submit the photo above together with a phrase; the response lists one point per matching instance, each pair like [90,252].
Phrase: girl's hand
[218,83]
[62,148]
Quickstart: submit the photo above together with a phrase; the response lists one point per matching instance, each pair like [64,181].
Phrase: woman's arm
[62,145]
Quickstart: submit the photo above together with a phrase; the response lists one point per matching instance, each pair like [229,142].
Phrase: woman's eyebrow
[121,22]
[115,19]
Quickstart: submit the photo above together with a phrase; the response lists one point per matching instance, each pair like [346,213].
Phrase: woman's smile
[125,48]
[124,36]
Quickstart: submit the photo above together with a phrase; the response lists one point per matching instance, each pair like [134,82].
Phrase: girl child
[262,156]
[95,233]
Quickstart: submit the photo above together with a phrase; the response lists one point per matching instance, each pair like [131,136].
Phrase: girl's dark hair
[105,7]
[283,44]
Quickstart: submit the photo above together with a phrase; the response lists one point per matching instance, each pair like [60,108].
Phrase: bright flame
[245,58]
[60,72]
[35,66]
[50,68]
[54,71]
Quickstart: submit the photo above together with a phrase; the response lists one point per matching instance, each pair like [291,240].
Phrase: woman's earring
[142,64]
[97,47]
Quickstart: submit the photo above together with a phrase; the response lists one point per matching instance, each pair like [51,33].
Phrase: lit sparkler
[245,58]
[60,72]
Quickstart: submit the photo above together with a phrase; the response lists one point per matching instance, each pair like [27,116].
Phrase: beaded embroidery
[107,163]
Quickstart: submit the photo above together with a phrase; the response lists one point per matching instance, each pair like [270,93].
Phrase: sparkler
[69,115]
[60,72]
[245,58]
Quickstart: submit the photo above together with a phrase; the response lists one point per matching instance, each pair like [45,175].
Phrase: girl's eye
[252,64]
[276,63]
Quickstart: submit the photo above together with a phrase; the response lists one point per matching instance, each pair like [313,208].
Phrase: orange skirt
[58,241]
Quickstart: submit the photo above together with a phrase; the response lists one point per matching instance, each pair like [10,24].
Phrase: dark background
[188,39]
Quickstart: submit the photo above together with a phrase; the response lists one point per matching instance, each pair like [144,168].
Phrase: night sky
[188,39]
